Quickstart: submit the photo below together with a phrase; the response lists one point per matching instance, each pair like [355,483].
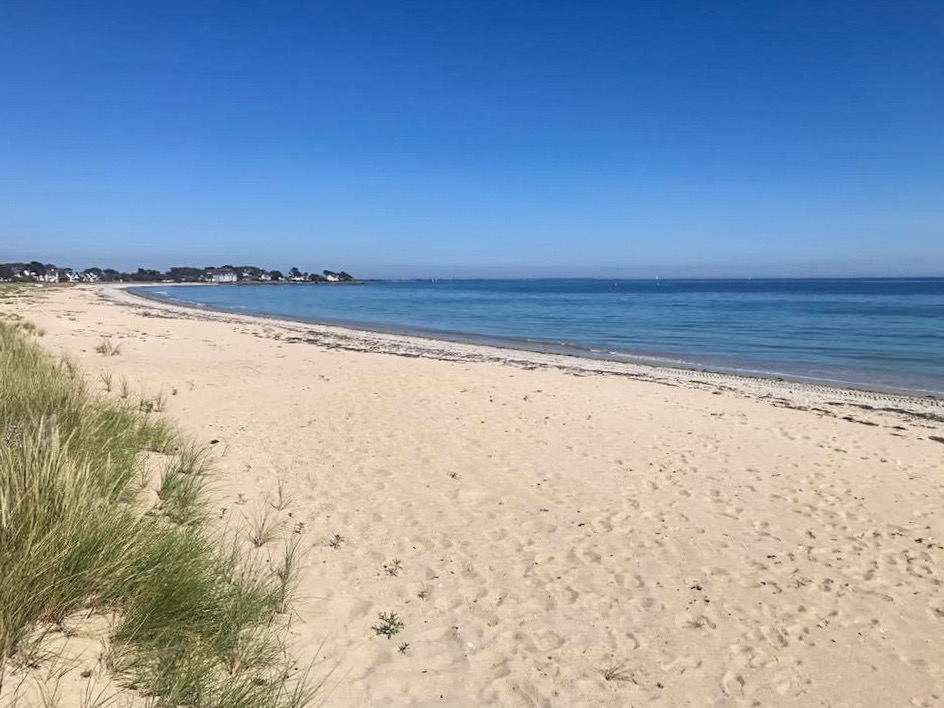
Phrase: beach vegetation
[264,529]
[193,620]
[181,494]
[24,324]
[153,404]
[336,541]
[287,574]
[282,499]
[106,347]
[388,624]
[616,672]
[69,367]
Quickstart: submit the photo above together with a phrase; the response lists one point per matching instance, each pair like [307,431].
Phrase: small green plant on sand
[388,625]
[393,567]
[615,672]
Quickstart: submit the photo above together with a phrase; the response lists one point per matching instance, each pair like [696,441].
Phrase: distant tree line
[35,271]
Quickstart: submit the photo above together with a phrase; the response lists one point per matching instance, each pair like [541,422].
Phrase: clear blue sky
[476,138]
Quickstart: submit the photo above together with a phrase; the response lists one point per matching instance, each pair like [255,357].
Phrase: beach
[551,530]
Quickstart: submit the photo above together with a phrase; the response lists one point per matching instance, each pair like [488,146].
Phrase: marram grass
[197,623]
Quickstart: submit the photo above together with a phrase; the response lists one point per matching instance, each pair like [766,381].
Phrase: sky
[476,139]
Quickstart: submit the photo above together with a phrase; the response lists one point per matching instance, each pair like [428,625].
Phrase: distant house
[51,275]
[71,276]
[264,275]
[90,276]
[342,277]
[223,275]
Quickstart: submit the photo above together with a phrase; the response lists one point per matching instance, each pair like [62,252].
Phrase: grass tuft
[287,574]
[196,617]
[616,672]
[263,529]
[153,404]
[106,347]
[181,491]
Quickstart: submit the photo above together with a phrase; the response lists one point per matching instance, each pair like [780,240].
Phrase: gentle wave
[866,333]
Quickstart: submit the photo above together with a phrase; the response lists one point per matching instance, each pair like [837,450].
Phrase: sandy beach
[555,531]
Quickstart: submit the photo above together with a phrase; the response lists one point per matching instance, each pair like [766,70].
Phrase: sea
[876,334]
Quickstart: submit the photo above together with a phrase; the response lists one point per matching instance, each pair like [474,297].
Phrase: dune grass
[106,347]
[196,621]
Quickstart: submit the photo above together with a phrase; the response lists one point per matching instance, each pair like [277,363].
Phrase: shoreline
[548,530]
[449,346]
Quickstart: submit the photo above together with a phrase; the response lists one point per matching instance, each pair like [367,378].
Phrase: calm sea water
[881,333]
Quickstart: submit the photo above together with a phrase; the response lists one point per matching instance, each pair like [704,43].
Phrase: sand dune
[555,531]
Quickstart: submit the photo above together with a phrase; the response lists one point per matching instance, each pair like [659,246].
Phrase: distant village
[36,272]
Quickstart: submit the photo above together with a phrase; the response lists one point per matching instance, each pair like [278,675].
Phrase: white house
[50,276]
[222,275]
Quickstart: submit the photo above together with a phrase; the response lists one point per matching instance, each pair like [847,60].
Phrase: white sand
[721,541]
